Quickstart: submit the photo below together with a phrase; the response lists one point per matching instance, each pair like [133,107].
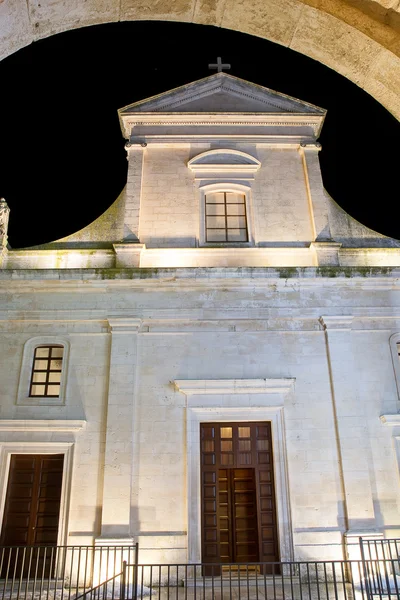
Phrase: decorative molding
[229,123]
[51,425]
[191,387]
[339,322]
[209,165]
[124,324]
[392,420]
[113,540]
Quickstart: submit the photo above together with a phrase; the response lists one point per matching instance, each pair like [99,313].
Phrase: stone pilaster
[133,192]
[351,428]
[118,452]
[318,204]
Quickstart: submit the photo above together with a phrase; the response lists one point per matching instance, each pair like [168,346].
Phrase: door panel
[32,507]
[238,499]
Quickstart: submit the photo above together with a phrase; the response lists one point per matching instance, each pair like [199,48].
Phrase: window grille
[46,371]
[226,219]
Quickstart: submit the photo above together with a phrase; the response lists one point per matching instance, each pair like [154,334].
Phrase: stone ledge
[174,273]
[42,425]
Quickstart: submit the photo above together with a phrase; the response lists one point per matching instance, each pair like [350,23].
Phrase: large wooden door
[32,505]
[238,500]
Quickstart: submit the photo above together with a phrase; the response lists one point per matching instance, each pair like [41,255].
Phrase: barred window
[46,371]
[225,215]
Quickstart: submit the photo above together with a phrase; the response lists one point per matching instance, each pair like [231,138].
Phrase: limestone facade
[162,330]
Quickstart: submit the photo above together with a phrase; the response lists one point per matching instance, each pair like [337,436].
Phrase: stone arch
[360,41]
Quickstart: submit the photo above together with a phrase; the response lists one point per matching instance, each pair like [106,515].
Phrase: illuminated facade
[223,331]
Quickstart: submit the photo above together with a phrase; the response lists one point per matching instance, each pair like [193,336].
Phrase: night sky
[62,158]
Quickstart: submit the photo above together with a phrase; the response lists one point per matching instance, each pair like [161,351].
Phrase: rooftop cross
[219,65]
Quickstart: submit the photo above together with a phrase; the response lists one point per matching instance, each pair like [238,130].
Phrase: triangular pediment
[222,93]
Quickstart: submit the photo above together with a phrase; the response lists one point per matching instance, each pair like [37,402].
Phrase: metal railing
[112,573]
[111,588]
[59,572]
[381,567]
[317,580]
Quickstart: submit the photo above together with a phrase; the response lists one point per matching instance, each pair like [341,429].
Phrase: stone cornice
[346,276]
[124,324]
[233,119]
[392,420]
[337,323]
[221,120]
[50,425]
[191,387]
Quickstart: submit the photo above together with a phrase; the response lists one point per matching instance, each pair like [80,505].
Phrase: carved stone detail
[4,215]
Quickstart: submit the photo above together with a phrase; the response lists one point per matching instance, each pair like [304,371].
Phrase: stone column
[351,431]
[4,216]
[115,528]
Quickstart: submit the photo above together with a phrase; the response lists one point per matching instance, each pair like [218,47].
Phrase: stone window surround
[207,188]
[23,397]
[394,340]
[65,448]
[239,400]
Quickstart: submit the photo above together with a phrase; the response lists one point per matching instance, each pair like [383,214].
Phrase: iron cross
[219,65]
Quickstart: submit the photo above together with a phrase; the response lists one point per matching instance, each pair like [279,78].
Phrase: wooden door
[238,499]
[32,509]
[238,516]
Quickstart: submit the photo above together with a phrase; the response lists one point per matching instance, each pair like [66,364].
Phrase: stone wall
[329,337]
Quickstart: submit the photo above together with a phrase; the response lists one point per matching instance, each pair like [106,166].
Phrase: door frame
[243,401]
[9,448]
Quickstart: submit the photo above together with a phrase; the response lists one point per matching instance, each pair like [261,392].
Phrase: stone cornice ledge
[391,420]
[234,386]
[337,322]
[50,425]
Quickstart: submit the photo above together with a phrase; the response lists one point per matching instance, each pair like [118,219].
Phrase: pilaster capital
[336,323]
[124,325]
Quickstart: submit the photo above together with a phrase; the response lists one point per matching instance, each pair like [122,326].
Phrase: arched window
[47,371]
[224,178]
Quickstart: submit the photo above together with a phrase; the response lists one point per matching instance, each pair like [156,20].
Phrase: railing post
[365,570]
[135,573]
[123,581]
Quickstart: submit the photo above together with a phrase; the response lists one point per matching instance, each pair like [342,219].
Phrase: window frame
[46,371]
[225,216]
[225,187]
[26,372]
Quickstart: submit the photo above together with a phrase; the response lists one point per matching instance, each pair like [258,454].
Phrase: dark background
[62,158]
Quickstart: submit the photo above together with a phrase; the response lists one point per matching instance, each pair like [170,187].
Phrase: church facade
[211,368]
